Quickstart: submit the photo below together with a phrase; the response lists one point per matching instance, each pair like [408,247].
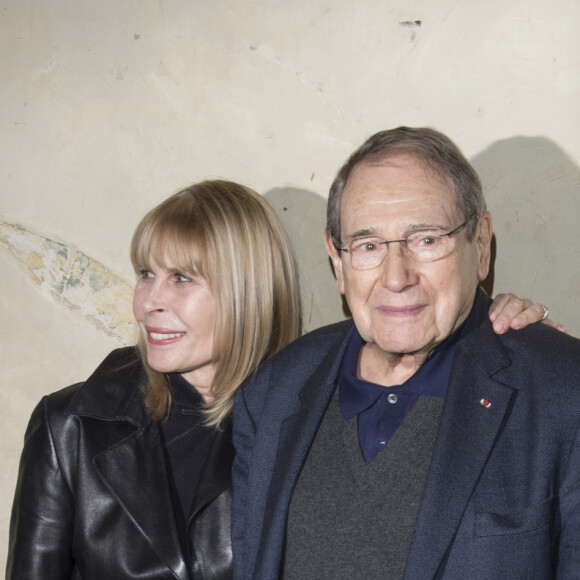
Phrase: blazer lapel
[135,473]
[476,409]
[297,431]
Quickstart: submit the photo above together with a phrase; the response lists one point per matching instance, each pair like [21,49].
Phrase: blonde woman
[128,475]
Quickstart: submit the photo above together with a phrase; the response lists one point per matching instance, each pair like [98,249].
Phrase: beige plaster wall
[108,107]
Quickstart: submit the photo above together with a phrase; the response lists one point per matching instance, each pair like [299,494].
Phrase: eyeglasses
[426,245]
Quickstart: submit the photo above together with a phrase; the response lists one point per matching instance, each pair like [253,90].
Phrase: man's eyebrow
[362,233]
[427,226]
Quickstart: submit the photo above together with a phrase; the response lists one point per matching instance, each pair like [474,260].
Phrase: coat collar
[132,465]
[135,473]
[113,391]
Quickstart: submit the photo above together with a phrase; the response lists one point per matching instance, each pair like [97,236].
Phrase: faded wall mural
[79,282]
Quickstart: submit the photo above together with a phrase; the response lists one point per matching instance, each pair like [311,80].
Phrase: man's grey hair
[432,148]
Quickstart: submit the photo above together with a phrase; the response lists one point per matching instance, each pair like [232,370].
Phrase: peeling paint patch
[74,279]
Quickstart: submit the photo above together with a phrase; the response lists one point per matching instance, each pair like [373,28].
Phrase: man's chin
[407,346]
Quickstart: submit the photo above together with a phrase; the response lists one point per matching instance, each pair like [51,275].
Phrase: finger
[516,313]
[555,325]
[533,312]
[499,303]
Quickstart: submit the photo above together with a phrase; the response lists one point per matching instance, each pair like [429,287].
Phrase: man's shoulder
[541,341]
[545,352]
[533,358]
[296,362]
[307,365]
[537,339]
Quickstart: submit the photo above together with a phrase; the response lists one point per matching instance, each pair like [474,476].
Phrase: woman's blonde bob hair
[230,236]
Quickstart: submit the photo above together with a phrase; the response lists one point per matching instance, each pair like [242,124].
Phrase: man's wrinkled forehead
[432,171]
[433,177]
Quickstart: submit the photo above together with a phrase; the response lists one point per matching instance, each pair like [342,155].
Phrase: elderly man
[413,443]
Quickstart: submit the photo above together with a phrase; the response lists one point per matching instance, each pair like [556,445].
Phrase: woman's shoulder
[119,363]
[110,390]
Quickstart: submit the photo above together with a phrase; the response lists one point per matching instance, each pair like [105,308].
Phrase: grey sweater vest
[350,519]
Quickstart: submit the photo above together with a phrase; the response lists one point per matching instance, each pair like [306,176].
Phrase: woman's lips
[161,336]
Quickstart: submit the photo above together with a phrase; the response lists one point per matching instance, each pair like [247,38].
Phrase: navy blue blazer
[502,496]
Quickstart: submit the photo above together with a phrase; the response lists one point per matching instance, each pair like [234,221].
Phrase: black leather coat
[93,497]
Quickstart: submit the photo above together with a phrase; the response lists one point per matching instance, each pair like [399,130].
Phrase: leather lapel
[128,453]
[135,472]
[465,440]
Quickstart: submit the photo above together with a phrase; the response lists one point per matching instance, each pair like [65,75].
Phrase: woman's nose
[155,296]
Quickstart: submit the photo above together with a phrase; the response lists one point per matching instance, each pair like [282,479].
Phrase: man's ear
[483,235]
[336,261]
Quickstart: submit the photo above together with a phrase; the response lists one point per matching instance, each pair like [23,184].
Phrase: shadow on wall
[532,188]
[303,214]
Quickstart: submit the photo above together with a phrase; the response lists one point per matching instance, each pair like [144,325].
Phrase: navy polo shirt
[381,409]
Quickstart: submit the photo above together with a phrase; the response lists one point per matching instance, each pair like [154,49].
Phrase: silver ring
[546,312]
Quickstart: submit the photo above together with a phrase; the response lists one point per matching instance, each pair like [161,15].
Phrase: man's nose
[398,268]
